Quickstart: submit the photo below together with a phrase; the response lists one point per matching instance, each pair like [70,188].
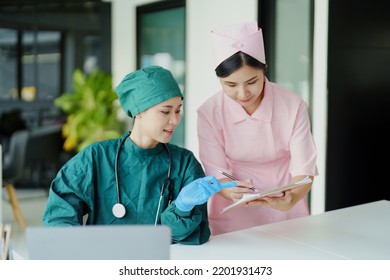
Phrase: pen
[233,178]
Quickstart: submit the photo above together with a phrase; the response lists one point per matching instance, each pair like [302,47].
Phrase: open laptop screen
[99,242]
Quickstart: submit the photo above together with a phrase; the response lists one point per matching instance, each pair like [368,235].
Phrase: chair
[43,155]
[13,170]
[29,153]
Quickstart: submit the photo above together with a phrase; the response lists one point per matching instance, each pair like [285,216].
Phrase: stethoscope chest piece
[119,210]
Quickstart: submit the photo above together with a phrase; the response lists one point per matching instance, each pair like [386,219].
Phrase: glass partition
[41,65]
[293,45]
[161,41]
[8,64]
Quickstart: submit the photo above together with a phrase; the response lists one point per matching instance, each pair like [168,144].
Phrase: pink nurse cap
[246,37]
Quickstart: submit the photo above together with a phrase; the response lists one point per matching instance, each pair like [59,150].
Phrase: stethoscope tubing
[118,209]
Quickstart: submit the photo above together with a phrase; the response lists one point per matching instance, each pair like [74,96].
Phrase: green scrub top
[86,185]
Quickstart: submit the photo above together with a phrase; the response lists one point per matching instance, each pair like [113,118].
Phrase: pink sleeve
[211,142]
[302,147]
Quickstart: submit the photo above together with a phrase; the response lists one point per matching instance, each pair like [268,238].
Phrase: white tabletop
[358,232]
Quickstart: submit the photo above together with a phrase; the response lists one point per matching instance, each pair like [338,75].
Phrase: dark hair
[235,62]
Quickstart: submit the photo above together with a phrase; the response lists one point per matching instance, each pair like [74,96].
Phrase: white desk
[358,233]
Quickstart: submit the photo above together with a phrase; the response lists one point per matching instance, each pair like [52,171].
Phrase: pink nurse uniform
[270,147]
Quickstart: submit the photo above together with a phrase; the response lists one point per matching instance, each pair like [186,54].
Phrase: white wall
[320,105]
[123,14]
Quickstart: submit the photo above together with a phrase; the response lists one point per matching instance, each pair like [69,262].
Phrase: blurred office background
[333,53]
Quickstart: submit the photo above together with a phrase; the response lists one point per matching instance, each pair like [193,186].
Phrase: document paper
[249,197]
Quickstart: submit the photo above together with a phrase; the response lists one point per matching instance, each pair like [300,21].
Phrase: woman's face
[157,123]
[245,87]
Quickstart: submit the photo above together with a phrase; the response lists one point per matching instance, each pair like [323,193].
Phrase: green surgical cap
[145,88]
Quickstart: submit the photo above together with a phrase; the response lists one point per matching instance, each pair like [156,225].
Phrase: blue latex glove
[199,191]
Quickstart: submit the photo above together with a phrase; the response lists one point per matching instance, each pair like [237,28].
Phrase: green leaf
[92,115]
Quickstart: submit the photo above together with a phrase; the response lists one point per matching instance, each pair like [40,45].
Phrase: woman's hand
[237,192]
[287,200]
[199,191]
[281,203]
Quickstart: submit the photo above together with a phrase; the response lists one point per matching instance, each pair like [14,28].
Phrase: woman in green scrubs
[125,180]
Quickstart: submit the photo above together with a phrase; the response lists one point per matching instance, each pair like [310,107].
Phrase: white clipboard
[273,191]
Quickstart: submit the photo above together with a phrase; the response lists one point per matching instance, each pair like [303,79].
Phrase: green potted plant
[92,110]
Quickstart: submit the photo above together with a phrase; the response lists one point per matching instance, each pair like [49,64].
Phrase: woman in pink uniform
[255,130]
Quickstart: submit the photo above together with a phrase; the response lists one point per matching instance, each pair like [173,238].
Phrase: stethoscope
[119,209]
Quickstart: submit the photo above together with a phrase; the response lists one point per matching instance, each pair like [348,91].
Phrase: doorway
[358,103]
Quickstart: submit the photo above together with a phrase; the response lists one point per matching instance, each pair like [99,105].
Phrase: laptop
[99,242]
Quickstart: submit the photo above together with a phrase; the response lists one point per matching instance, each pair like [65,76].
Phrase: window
[41,65]
[161,41]
[30,65]
[41,45]
[8,64]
